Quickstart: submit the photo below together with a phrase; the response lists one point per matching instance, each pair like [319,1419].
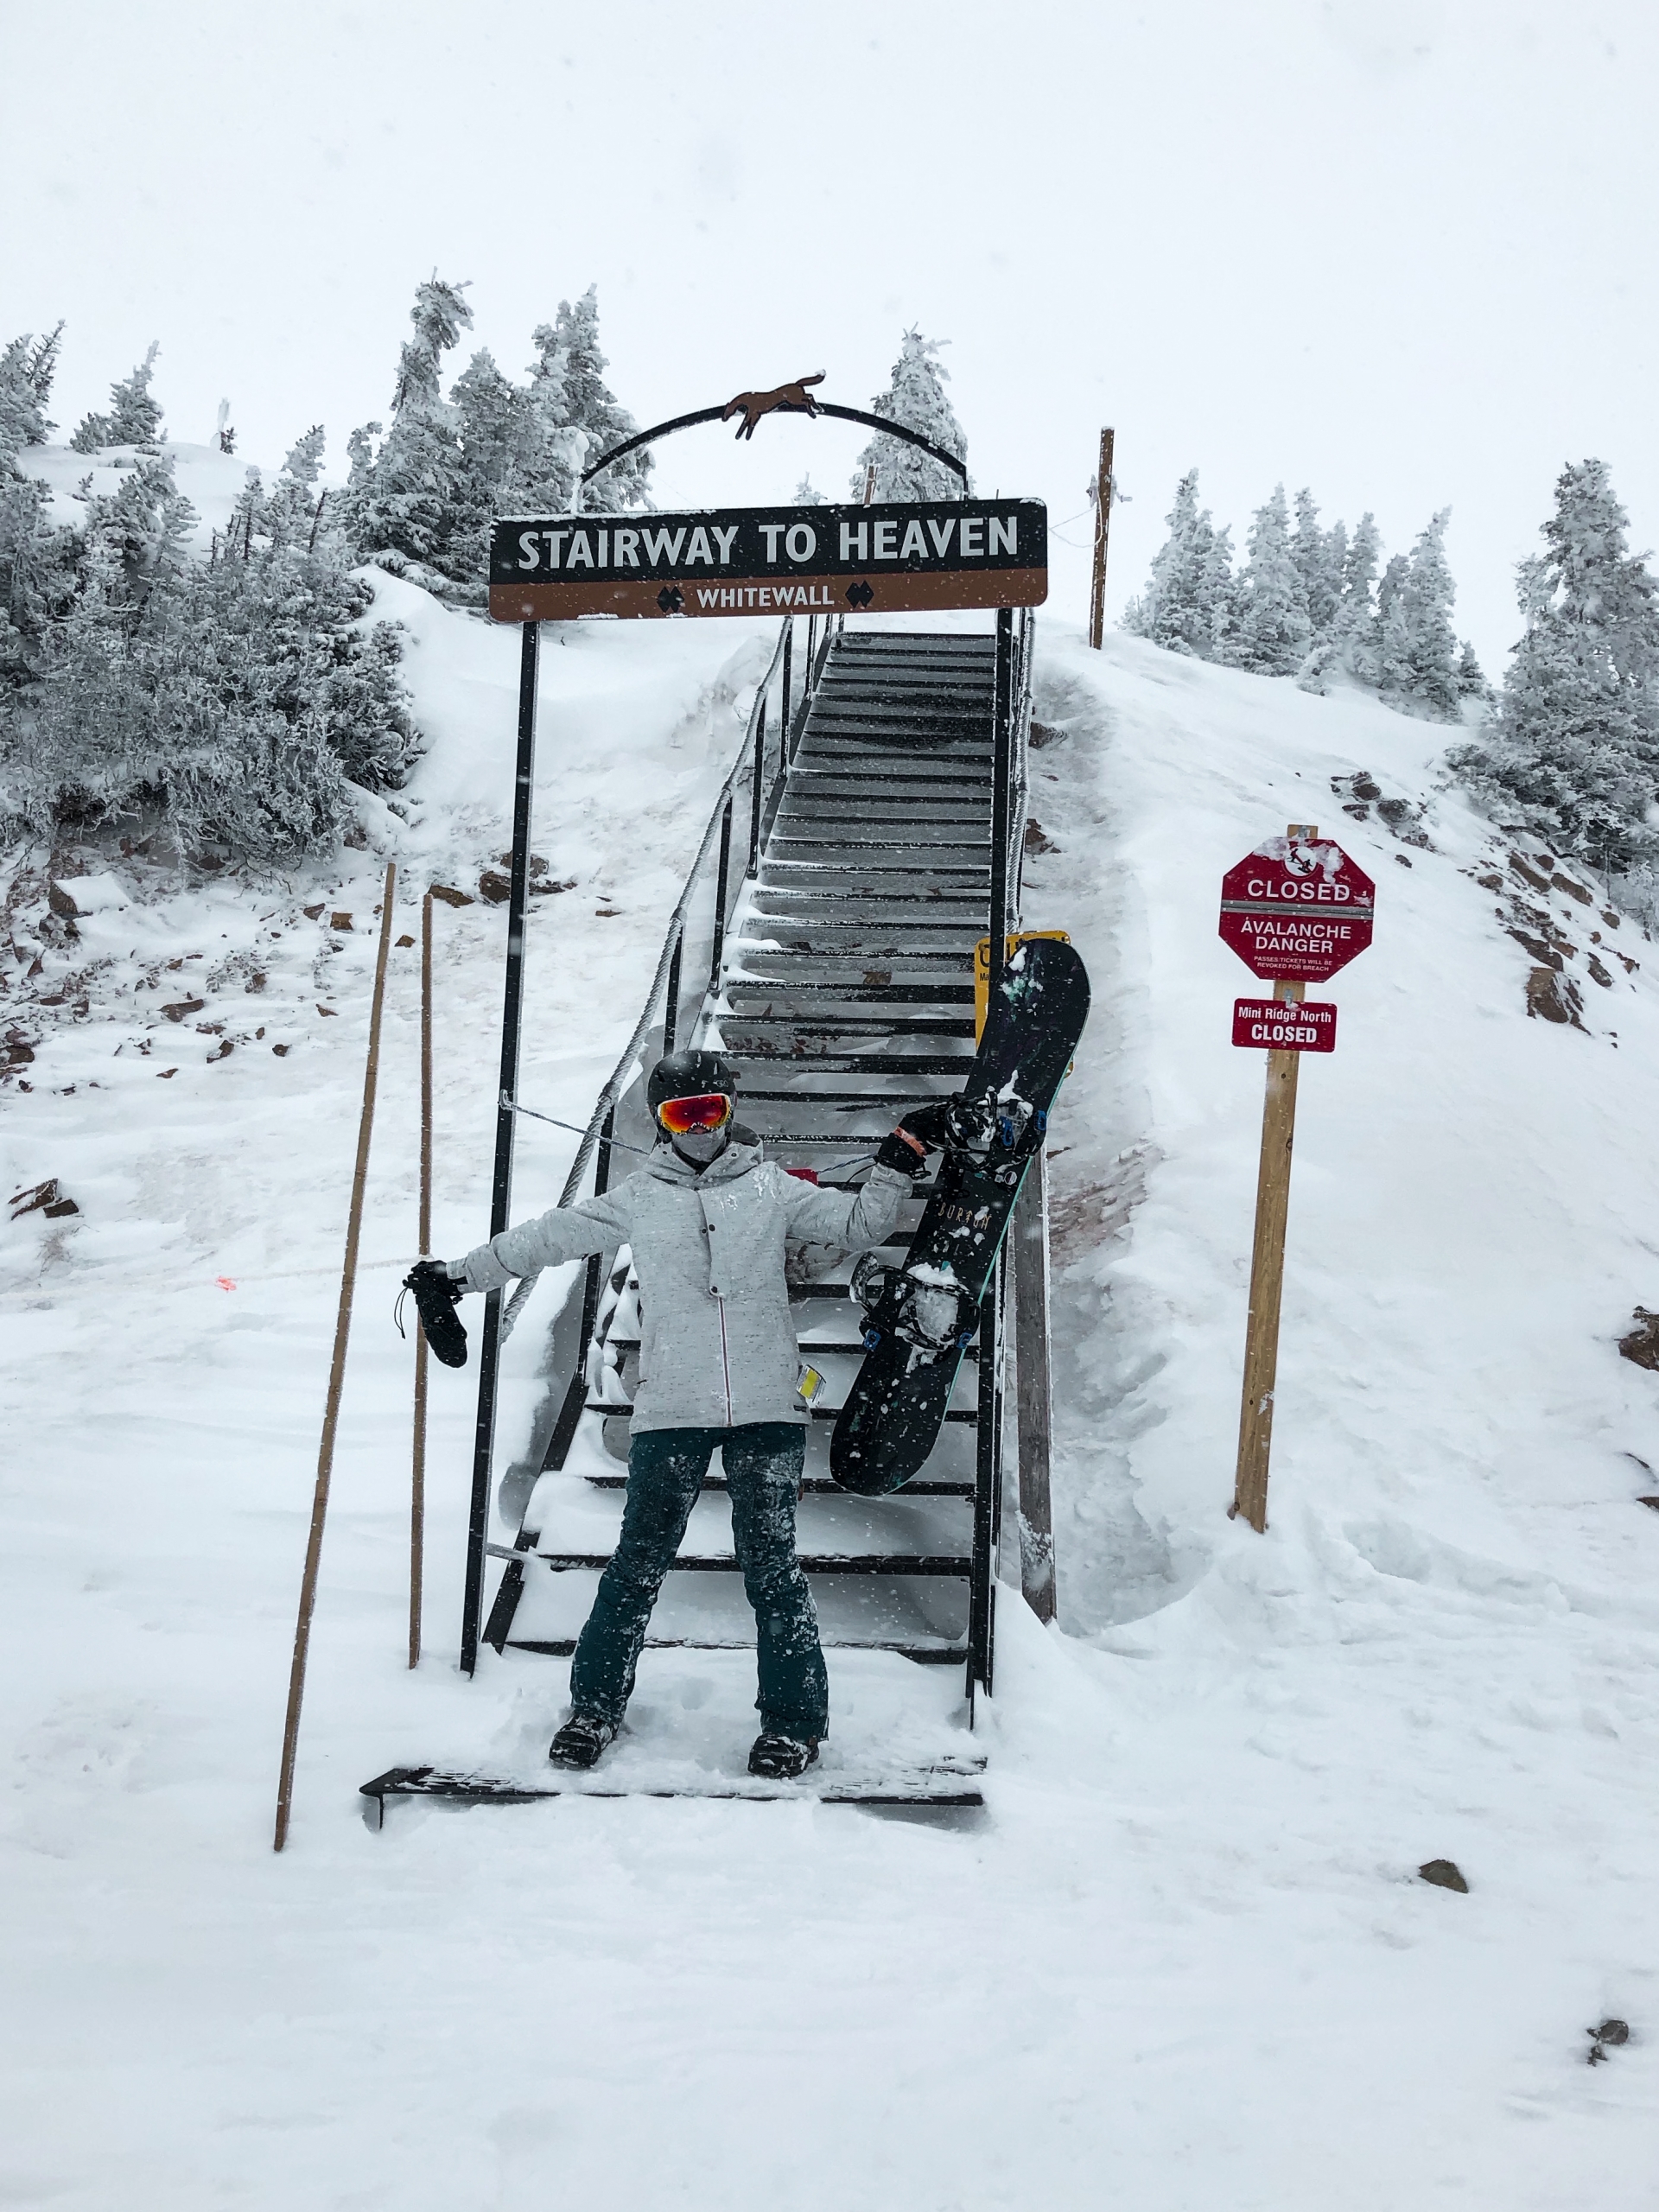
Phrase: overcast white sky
[1399,251]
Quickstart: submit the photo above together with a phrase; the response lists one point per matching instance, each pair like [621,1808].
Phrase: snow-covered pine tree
[1318,561]
[551,460]
[497,434]
[1355,628]
[1421,653]
[249,516]
[289,515]
[135,416]
[1471,679]
[143,526]
[1183,608]
[916,397]
[403,501]
[27,366]
[594,422]
[807,494]
[1575,753]
[1271,632]
[1388,661]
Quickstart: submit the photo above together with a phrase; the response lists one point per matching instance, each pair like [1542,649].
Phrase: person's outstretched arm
[853,1220]
[563,1233]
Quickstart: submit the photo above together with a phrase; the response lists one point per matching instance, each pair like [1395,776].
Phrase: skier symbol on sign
[1297,909]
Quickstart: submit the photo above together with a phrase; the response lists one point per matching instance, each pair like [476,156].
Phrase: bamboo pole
[1268,1270]
[336,1379]
[1102,528]
[417,1471]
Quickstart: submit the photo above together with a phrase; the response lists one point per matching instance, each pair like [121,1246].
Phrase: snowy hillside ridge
[1208,1791]
[1456,1154]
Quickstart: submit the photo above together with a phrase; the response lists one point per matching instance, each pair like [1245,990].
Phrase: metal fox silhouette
[751,406]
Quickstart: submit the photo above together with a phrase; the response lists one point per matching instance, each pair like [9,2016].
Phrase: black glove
[904,1159]
[437,1297]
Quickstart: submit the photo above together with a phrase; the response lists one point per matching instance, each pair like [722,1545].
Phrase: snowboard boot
[781,1758]
[580,1740]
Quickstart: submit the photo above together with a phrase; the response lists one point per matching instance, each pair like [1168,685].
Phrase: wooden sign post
[1295,911]
[1103,530]
[1266,1280]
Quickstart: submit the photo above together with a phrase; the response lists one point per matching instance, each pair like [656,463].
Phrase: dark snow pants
[665,1471]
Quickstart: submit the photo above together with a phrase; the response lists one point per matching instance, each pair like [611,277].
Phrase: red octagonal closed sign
[1297,909]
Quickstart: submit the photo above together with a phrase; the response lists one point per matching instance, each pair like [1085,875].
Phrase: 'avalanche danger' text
[1297,909]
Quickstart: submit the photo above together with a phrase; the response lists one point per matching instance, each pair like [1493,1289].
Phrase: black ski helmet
[689,1075]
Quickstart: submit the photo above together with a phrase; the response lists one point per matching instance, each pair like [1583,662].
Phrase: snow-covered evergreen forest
[229,686]
[1310,603]
[1568,746]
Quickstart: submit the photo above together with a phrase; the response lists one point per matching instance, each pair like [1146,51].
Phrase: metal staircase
[841,979]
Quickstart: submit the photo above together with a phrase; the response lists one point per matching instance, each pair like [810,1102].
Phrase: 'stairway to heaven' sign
[875,559]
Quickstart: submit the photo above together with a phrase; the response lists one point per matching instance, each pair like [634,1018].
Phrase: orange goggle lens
[679,1116]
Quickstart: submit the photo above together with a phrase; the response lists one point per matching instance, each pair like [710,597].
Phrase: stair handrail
[1018,813]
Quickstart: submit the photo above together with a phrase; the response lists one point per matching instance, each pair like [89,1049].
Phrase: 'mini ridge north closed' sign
[825,560]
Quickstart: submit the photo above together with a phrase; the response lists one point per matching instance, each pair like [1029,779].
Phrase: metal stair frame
[767,778]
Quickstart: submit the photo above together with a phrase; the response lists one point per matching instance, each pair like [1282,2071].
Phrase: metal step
[965,1418]
[857,994]
[858,1063]
[829,1026]
[923,1653]
[814,1485]
[903,1564]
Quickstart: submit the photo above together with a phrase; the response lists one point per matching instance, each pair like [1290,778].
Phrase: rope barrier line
[336,1379]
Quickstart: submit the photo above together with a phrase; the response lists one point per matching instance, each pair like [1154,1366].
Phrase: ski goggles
[712,1109]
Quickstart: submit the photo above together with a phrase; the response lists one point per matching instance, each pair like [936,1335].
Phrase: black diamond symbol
[671,600]
[860,594]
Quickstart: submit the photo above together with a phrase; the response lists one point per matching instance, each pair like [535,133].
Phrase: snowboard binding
[990,1131]
[929,1317]
[435,1298]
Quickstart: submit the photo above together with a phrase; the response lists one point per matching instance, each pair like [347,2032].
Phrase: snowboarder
[707,1219]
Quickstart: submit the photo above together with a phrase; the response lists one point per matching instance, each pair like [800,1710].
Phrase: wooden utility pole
[1102,528]
[1268,1266]
[417,1471]
[1033,1395]
[336,1380]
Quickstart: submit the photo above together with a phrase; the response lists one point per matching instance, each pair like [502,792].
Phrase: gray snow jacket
[718,1347]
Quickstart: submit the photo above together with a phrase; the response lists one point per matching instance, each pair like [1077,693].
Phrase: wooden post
[1103,527]
[1035,1423]
[417,1473]
[1267,1268]
[336,1382]
[869,483]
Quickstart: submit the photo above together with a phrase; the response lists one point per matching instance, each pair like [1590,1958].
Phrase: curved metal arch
[823,407]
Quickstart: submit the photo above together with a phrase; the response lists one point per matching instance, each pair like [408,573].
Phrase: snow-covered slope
[1184,1959]
[210,480]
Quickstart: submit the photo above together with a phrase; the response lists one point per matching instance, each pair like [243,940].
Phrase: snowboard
[920,1317]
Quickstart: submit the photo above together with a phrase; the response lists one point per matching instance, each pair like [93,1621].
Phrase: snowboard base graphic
[921,1316]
